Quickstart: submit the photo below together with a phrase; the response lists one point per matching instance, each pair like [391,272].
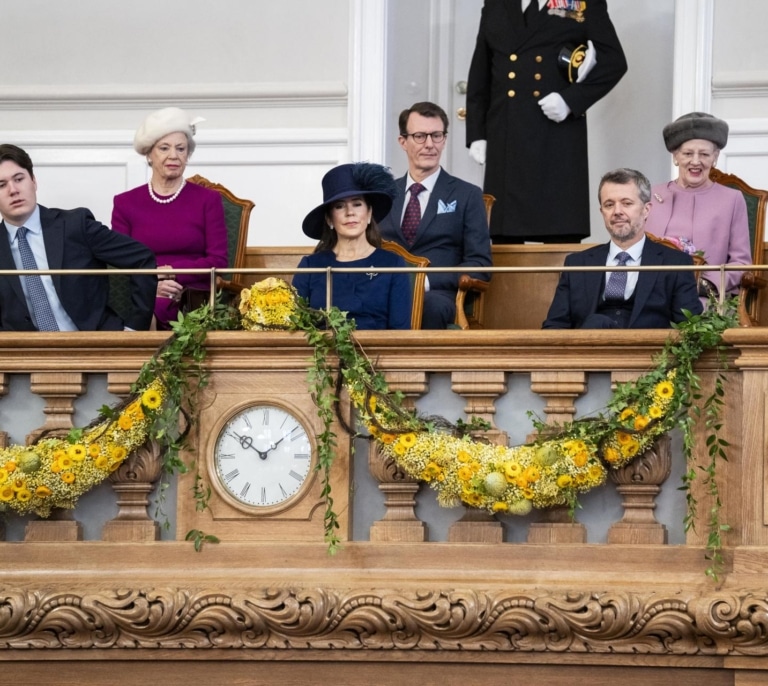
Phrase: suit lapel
[396,213]
[53,237]
[443,190]
[646,281]
[6,262]
[593,281]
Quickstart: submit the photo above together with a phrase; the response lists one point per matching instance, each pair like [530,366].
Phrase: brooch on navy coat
[571,9]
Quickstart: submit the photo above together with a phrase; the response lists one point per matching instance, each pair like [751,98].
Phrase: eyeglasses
[420,136]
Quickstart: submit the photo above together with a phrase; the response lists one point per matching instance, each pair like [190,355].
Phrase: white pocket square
[442,207]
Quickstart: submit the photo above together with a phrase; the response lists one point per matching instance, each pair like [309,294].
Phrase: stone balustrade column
[399,522]
[560,389]
[480,389]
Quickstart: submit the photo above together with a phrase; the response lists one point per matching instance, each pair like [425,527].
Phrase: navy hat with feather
[373,181]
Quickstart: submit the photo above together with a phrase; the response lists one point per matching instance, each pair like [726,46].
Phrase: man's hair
[13,153]
[624,176]
[425,109]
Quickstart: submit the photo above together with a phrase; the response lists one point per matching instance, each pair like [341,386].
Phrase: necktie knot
[622,258]
[415,189]
[21,232]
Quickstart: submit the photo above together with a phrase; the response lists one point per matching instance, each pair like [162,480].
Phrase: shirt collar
[635,251]
[33,225]
[428,183]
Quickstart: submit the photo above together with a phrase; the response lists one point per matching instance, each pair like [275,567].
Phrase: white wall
[291,88]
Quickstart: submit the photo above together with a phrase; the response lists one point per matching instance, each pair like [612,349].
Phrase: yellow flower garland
[54,473]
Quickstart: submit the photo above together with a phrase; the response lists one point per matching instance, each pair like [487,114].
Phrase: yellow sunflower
[664,390]
[151,399]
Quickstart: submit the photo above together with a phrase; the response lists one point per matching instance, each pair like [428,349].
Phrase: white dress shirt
[635,253]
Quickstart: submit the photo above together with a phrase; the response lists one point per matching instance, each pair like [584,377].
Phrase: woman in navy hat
[694,211]
[355,197]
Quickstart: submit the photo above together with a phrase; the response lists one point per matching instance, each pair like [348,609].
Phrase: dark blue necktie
[617,283]
[41,307]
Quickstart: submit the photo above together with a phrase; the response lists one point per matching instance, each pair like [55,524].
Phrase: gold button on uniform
[511,94]
[513,58]
[511,75]
[536,94]
[538,58]
[537,77]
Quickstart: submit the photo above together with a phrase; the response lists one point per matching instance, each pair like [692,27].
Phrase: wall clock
[263,457]
[256,451]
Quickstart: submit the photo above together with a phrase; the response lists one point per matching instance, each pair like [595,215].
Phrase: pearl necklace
[165,201]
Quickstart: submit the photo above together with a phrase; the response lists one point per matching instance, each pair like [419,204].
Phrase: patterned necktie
[412,216]
[617,283]
[35,289]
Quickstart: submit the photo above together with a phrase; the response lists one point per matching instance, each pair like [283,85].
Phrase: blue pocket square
[442,208]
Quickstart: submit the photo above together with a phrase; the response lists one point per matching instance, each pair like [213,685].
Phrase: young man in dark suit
[622,299]
[36,237]
[444,219]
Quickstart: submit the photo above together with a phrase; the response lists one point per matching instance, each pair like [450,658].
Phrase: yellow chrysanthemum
[528,493]
[641,422]
[101,462]
[6,493]
[151,399]
[3,476]
[512,470]
[611,455]
[655,412]
[463,456]
[66,462]
[76,452]
[43,491]
[55,467]
[94,450]
[23,495]
[532,474]
[631,448]
[431,471]
[10,466]
[471,498]
[118,452]
[399,449]
[664,390]
[387,439]
[464,473]
[623,437]
[408,440]
[500,506]
[68,477]
[125,422]
[564,481]
[580,459]
[626,414]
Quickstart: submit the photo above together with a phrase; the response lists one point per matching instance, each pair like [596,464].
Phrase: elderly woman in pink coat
[182,223]
[698,214]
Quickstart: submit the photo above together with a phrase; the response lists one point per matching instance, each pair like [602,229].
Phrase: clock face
[263,456]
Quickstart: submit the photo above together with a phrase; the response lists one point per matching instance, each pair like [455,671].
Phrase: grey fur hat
[695,125]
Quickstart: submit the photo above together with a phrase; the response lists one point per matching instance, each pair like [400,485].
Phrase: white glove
[554,107]
[477,151]
[590,60]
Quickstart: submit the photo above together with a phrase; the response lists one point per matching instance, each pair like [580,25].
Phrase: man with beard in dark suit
[624,299]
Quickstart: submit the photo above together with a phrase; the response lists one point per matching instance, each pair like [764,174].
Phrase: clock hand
[247,442]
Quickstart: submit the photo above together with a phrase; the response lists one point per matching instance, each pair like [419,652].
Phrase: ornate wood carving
[639,483]
[686,624]
[133,481]
[399,522]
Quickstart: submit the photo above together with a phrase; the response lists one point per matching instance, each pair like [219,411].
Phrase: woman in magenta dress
[694,211]
[182,223]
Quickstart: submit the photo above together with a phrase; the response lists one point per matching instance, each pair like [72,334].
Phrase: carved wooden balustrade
[395,602]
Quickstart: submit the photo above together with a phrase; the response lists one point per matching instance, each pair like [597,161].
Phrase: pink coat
[714,219]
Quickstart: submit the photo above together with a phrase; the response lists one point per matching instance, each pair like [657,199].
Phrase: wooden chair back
[418,279]
[237,213]
[752,283]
